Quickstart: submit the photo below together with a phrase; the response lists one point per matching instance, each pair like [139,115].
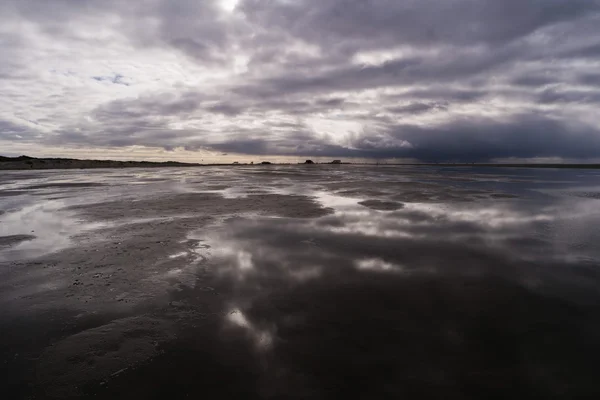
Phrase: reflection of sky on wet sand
[557,224]
[376,264]
[429,294]
[262,338]
[461,277]
[50,227]
[419,236]
[440,284]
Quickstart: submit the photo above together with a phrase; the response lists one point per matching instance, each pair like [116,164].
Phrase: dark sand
[292,282]
[61,185]
[381,205]
[8,241]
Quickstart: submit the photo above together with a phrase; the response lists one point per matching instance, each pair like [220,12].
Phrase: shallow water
[300,282]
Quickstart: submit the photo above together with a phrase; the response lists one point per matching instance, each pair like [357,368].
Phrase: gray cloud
[380,24]
[442,93]
[152,106]
[533,80]
[16,132]
[589,79]
[193,27]
[428,79]
[417,108]
[483,139]
[569,96]
[443,67]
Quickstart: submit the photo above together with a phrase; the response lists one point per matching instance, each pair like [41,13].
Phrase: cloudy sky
[428,80]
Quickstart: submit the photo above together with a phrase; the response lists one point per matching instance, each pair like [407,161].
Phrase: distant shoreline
[32,163]
[496,165]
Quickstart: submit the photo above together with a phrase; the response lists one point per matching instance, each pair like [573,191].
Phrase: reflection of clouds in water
[178,255]
[423,239]
[245,261]
[231,258]
[376,264]
[418,221]
[175,272]
[492,221]
[432,282]
[306,274]
[338,203]
[371,226]
[494,215]
[263,339]
[52,228]
[575,230]
[189,262]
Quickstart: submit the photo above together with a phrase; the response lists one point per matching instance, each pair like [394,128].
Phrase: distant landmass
[506,165]
[25,162]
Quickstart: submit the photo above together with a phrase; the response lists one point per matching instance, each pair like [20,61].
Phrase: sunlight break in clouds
[229,5]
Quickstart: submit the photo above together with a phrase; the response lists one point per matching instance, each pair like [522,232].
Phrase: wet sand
[300,282]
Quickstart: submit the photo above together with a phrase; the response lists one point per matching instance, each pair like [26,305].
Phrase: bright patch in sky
[229,5]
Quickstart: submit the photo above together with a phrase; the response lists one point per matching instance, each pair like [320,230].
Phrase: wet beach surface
[300,282]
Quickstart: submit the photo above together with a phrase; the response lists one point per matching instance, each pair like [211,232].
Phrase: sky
[222,80]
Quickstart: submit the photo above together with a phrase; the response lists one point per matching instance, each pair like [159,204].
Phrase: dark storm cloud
[481,139]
